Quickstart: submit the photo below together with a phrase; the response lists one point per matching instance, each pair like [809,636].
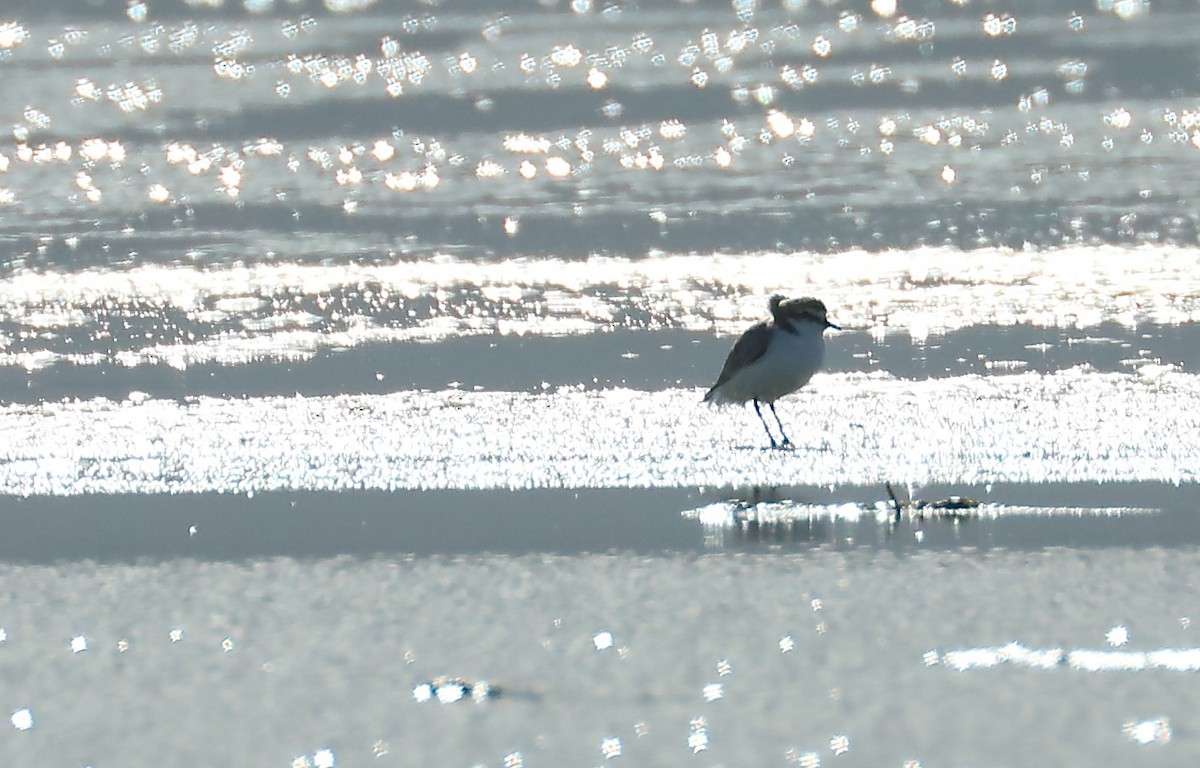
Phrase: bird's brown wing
[751,346]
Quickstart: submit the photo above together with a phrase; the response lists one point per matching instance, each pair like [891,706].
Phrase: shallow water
[809,653]
[347,348]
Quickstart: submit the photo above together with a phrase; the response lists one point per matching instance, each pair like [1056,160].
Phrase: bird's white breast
[790,361]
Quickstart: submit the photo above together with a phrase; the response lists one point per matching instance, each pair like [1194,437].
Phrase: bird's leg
[764,423]
[895,503]
[786,442]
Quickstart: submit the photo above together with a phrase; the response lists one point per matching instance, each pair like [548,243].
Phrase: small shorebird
[774,358]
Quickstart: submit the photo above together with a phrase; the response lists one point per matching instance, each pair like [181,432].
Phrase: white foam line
[1012,653]
[1070,426]
[1084,660]
[728,514]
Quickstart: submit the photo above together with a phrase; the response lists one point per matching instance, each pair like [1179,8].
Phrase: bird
[773,358]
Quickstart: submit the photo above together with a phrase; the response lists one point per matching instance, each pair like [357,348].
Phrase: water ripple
[184,316]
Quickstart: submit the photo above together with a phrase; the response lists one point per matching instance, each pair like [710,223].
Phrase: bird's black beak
[831,325]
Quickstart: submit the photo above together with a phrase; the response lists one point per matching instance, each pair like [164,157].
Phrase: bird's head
[805,309]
